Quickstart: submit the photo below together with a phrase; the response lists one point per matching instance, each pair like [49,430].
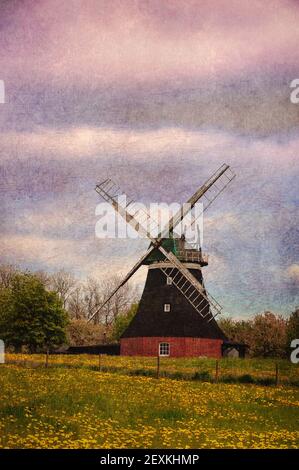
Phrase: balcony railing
[193,256]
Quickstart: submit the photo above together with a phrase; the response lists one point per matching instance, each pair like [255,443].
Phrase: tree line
[266,334]
[41,311]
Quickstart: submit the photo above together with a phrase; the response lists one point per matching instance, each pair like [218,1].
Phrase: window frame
[164,349]
[167,308]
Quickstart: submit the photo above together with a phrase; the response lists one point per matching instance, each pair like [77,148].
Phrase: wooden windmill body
[176,314]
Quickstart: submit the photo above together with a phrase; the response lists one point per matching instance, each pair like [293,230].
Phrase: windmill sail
[190,287]
[143,222]
[137,217]
[206,194]
[122,283]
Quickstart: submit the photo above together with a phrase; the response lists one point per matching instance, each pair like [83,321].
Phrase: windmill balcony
[193,256]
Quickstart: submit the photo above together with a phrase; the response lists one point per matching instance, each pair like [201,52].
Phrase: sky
[156,95]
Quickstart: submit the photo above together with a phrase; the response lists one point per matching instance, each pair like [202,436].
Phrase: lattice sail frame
[143,222]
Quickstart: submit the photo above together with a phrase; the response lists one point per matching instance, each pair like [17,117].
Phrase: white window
[169,280]
[164,349]
[166,307]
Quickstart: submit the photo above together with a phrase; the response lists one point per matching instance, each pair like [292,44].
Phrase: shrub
[228,379]
[81,333]
[246,379]
[204,376]
[265,381]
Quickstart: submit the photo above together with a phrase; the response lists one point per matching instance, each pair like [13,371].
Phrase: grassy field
[259,371]
[74,405]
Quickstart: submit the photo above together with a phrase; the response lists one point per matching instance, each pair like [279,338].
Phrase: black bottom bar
[139,457]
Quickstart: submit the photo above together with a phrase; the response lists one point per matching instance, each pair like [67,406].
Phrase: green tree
[265,334]
[82,333]
[269,335]
[228,326]
[239,331]
[293,327]
[122,321]
[30,315]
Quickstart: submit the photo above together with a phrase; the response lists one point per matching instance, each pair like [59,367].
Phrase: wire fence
[257,371]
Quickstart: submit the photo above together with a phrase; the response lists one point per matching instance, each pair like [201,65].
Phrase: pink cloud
[85,142]
[128,42]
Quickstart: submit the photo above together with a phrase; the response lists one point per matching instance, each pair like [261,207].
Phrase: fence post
[100,362]
[217,371]
[47,358]
[158,366]
[276,374]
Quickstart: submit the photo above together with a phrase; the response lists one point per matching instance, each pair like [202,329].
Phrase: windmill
[176,314]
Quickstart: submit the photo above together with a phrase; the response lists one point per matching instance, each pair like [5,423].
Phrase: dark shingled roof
[182,321]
